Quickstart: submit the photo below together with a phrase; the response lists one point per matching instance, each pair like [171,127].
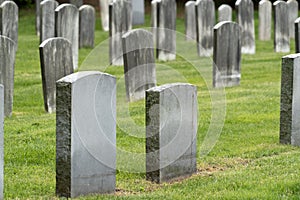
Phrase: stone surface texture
[120,21]
[265,19]
[138,12]
[139,63]
[205,12]
[47,19]
[245,18]
[87,19]
[104,4]
[190,21]
[154,9]
[67,26]
[56,62]
[297,35]
[77,3]
[86,134]
[281,27]
[293,9]
[227,54]
[37,16]
[224,13]
[171,120]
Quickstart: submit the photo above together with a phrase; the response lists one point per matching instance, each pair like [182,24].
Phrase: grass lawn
[247,161]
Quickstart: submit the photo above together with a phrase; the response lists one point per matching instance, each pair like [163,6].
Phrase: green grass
[247,161]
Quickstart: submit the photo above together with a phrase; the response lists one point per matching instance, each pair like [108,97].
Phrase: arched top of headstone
[50,41]
[137,38]
[170,86]
[87,7]
[65,6]
[46,2]
[224,6]
[190,3]
[204,1]
[279,2]
[244,2]
[76,77]
[297,20]
[264,2]
[226,23]
[8,3]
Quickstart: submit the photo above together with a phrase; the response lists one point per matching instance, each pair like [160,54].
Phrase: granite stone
[265,19]
[47,19]
[67,26]
[171,132]
[87,19]
[205,12]
[77,3]
[85,134]
[245,18]
[138,12]
[293,15]
[56,62]
[139,63]
[37,16]
[104,4]
[227,54]
[154,9]
[190,21]
[224,13]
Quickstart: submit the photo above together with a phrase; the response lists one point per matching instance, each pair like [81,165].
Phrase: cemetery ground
[246,162]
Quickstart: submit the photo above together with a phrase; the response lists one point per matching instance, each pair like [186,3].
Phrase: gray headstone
[166,32]
[85,134]
[138,12]
[139,63]
[7,55]
[265,19]
[227,54]
[293,15]
[297,35]
[290,99]
[47,17]
[154,9]
[67,26]
[224,13]
[9,20]
[171,133]
[56,62]
[120,21]
[190,21]
[86,26]
[205,11]
[281,27]
[1,142]
[37,16]
[77,3]
[245,18]
[104,14]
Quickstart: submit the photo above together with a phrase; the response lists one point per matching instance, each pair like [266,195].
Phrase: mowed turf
[247,161]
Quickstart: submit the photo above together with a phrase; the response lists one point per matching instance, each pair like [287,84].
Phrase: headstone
[77,3]
[293,15]
[138,12]
[9,20]
[290,99]
[171,133]
[139,63]
[245,18]
[297,35]
[37,16]
[227,54]
[56,62]
[104,14]
[47,17]
[7,55]
[265,19]
[86,26]
[67,26]
[224,13]
[166,32]
[190,21]
[1,142]
[154,9]
[281,27]
[85,134]
[120,21]
[205,11]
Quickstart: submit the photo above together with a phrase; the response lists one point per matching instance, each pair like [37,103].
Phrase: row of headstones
[66,20]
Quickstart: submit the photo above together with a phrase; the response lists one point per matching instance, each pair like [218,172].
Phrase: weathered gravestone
[227,54]
[138,12]
[86,26]
[265,19]
[245,18]
[281,27]
[77,3]
[7,55]
[9,20]
[47,19]
[297,35]
[154,9]
[139,63]
[290,99]
[224,13]
[190,21]
[67,26]
[292,15]
[166,30]
[1,142]
[85,134]
[37,16]
[120,21]
[171,133]
[205,12]
[104,4]
[56,62]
